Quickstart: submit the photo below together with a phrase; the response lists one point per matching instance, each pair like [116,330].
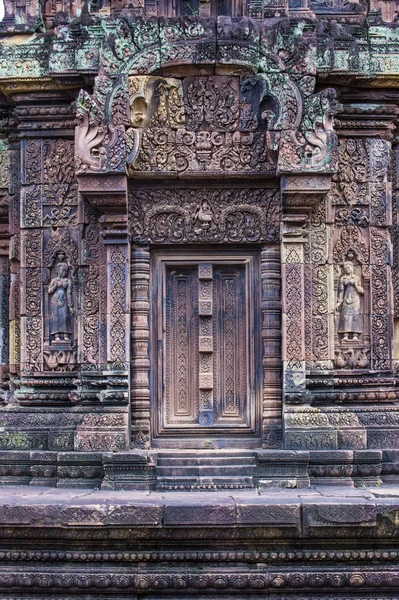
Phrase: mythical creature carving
[102,141]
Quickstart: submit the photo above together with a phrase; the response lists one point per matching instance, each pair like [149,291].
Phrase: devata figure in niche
[348,303]
[61,304]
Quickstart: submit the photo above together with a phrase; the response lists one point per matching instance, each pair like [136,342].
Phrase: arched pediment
[211,98]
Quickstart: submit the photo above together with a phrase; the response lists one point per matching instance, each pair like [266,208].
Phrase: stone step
[206,471]
[165,461]
[204,483]
[219,454]
[177,471]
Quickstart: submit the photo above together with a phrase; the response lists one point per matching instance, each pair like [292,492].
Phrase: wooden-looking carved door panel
[204,316]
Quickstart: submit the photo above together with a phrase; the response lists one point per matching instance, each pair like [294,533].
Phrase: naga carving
[103,138]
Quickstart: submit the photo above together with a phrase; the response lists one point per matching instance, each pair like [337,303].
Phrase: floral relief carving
[240,215]
[117,296]
[380,322]
[211,102]
[353,160]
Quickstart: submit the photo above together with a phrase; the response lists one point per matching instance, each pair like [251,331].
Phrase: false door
[207,345]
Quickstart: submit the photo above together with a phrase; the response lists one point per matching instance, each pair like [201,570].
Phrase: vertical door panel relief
[231,345]
[206,344]
[181,346]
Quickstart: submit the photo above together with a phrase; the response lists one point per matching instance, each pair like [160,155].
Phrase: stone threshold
[319,543]
[319,510]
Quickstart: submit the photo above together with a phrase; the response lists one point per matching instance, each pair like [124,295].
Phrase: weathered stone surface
[199,256]
[203,109]
[253,557]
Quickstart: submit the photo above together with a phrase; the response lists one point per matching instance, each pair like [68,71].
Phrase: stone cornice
[72,56]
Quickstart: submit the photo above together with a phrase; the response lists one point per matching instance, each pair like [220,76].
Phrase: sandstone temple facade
[199,258]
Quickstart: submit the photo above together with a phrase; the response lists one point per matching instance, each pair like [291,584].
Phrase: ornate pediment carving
[219,125]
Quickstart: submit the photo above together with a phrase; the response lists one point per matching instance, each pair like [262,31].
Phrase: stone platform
[320,542]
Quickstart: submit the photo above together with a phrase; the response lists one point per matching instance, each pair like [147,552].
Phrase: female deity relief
[60,289]
[348,302]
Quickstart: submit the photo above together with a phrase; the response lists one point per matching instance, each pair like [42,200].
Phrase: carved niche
[60,296]
[361,209]
[352,293]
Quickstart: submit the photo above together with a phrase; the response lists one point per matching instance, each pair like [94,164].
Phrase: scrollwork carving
[60,243]
[217,216]
[211,102]
[350,239]
[380,327]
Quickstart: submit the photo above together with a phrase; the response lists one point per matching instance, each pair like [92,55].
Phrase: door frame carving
[190,437]
[270,353]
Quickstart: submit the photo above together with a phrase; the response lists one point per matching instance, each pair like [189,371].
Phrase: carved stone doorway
[207,377]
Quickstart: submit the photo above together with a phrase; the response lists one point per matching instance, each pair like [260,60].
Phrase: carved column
[271,337]
[49,245]
[15,246]
[395,247]
[100,165]
[5,200]
[140,365]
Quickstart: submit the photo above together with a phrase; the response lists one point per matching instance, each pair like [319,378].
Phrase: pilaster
[306,309]
[106,316]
